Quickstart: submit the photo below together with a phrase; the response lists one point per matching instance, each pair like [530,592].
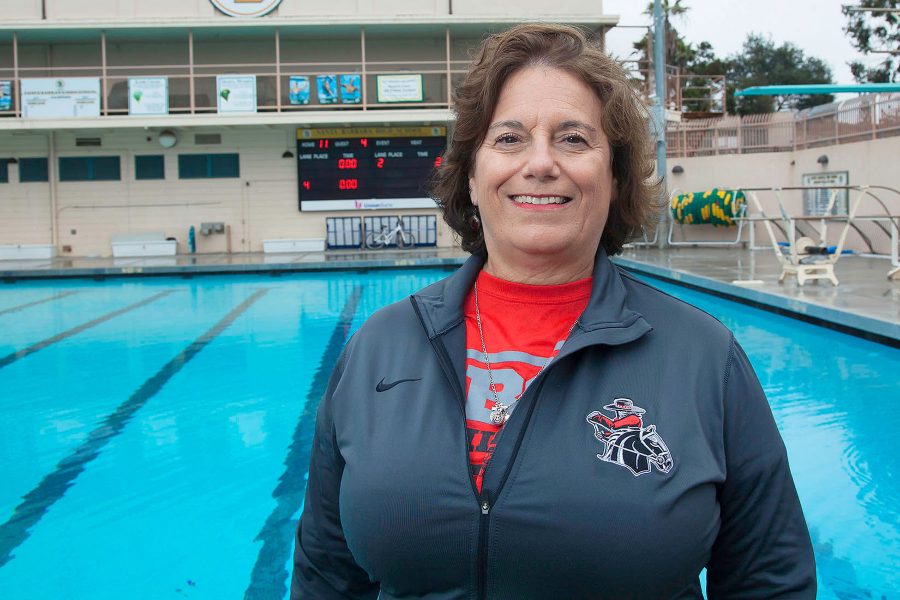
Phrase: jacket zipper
[484,500]
[481,556]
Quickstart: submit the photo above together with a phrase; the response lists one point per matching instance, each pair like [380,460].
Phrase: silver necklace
[500,411]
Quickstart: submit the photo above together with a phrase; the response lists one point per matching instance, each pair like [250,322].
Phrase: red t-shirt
[524,327]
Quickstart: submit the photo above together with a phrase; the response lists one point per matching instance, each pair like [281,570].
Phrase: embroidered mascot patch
[628,443]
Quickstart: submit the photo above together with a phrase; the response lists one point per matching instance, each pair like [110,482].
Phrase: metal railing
[192,83]
[687,92]
[867,117]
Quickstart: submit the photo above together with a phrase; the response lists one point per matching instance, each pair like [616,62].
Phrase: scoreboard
[350,168]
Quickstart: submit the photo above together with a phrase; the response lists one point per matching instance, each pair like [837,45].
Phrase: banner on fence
[298,89]
[58,98]
[236,93]
[399,88]
[148,95]
[5,95]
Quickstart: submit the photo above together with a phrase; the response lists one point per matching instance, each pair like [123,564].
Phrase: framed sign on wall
[815,202]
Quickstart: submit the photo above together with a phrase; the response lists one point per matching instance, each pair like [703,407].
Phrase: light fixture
[167,138]
[822,160]
[288,140]
[677,170]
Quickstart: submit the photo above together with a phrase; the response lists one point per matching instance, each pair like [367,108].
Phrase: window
[206,166]
[89,168]
[33,170]
[150,167]
[4,170]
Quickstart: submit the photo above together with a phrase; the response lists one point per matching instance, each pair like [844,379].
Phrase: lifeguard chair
[805,257]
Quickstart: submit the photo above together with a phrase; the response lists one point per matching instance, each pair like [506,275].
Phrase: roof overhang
[784,90]
[460,25]
[292,119]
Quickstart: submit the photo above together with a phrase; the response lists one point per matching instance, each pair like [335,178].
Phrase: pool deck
[865,303]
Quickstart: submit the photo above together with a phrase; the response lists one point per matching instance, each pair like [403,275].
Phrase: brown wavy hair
[623,118]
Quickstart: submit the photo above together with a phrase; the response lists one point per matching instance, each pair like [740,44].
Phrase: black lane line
[277,534]
[36,302]
[54,486]
[11,358]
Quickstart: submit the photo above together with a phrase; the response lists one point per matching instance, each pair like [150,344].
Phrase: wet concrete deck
[865,302]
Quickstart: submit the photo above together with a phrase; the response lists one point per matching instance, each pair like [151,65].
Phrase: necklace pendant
[499,414]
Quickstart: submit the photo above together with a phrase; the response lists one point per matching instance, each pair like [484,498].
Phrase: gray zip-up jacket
[644,452]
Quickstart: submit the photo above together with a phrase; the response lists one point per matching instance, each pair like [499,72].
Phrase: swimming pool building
[258,123]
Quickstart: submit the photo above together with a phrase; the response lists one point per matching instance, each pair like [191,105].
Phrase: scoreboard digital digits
[349,168]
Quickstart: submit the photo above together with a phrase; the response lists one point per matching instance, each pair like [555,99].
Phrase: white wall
[24,207]
[260,205]
[112,9]
[528,8]
[20,9]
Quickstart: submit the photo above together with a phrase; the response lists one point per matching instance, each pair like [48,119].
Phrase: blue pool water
[155,432]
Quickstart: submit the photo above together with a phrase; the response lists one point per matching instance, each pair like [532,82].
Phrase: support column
[449,70]
[104,85]
[191,67]
[362,54]
[53,176]
[278,69]
[659,68]
[16,96]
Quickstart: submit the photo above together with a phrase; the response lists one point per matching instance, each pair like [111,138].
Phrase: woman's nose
[541,161]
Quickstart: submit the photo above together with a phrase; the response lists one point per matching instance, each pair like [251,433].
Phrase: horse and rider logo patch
[627,441]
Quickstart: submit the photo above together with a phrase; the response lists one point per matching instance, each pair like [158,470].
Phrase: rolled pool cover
[713,207]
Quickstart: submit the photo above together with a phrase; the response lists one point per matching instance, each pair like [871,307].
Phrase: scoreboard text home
[349,168]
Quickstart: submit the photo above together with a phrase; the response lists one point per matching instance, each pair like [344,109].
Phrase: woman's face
[542,178]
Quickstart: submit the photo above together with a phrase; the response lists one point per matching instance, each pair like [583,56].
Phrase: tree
[760,62]
[691,60]
[678,52]
[875,33]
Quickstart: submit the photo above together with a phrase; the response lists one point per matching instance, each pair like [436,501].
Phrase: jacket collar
[606,320]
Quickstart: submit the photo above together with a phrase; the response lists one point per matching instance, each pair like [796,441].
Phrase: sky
[813,25]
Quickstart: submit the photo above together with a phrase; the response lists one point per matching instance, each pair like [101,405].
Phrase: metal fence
[868,117]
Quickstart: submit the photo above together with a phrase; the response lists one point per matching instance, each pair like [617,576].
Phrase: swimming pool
[155,432]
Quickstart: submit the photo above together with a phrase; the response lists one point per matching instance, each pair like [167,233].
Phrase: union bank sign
[245,8]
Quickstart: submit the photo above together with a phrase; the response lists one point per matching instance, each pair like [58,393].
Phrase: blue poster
[327,87]
[5,95]
[298,92]
[350,86]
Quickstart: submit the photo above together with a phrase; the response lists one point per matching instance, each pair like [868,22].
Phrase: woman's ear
[472,195]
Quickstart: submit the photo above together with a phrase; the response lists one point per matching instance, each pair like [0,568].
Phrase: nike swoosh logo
[383,387]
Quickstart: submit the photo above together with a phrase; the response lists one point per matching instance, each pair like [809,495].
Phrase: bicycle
[385,236]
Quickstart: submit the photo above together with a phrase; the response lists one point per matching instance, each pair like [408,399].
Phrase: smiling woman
[542,418]
[542,180]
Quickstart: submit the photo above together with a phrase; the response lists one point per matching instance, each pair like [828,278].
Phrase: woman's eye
[574,138]
[507,138]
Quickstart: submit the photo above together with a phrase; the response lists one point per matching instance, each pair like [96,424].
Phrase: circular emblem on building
[246,8]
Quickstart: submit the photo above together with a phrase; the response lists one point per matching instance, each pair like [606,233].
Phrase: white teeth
[540,200]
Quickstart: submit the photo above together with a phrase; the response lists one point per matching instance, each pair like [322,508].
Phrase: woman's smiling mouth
[528,199]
